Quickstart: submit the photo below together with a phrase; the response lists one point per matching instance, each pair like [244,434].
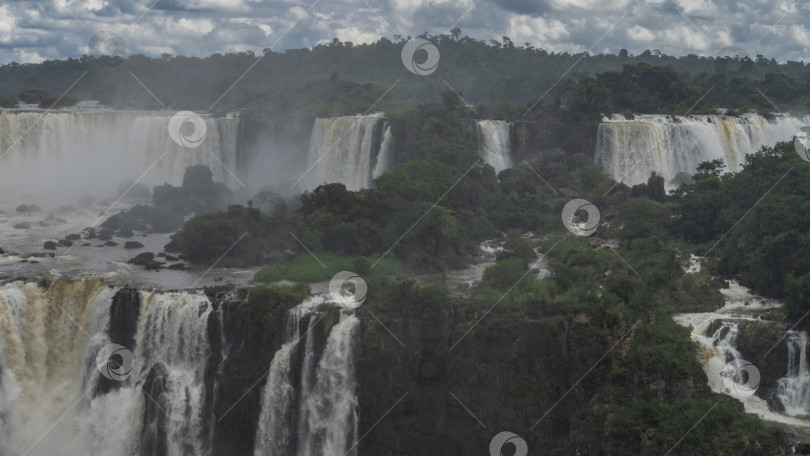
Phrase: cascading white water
[94,152]
[330,407]
[720,348]
[794,389]
[351,150]
[322,409]
[48,345]
[46,340]
[494,143]
[172,330]
[630,150]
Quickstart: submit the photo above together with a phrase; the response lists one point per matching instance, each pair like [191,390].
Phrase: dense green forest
[593,299]
[298,80]
[430,212]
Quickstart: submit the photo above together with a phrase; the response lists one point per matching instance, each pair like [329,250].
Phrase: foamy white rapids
[720,348]
[630,150]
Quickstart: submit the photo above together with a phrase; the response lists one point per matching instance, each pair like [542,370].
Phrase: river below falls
[716,350]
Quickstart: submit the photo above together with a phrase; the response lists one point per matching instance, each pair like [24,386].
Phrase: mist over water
[63,156]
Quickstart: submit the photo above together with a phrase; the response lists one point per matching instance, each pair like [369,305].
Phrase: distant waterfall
[630,150]
[350,150]
[309,403]
[494,143]
[95,151]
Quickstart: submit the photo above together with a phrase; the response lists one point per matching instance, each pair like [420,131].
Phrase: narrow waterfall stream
[311,410]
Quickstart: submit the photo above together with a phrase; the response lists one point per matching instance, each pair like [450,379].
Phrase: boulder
[178,266]
[147,260]
[125,232]
[104,235]
[65,242]
[198,194]
[110,243]
[133,190]
[133,245]
[73,237]
[50,245]
[22,226]
[28,208]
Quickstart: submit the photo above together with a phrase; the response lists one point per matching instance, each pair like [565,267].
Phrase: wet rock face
[124,311]
[250,342]
[754,341]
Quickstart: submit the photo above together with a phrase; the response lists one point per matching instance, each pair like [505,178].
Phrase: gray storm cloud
[33,31]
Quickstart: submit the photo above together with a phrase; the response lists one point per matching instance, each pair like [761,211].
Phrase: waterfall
[94,152]
[794,389]
[352,150]
[630,150]
[49,340]
[494,143]
[717,336]
[312,410]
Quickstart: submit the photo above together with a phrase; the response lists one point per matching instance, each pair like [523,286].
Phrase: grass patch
[305,268]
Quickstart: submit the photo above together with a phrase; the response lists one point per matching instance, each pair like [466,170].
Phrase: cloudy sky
[36,30]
